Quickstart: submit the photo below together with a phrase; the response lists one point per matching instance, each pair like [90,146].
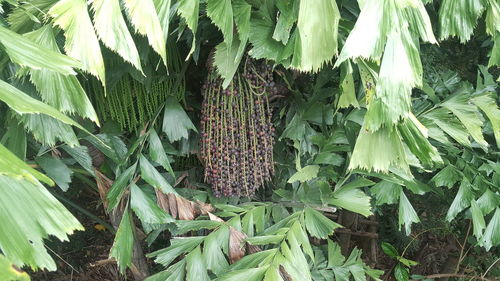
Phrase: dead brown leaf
[236,245]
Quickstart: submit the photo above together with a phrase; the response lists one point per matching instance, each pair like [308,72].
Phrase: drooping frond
[317,27]
[142,14]
[188,10]
[459,17]
[81,41]
[64,92]
[113,32]
[26,53]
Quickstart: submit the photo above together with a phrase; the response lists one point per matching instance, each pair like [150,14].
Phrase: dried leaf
[236,246]
[103,185]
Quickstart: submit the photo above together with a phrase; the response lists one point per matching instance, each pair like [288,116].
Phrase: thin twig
[57,255]
[447,275]
[461,257]
[489,268]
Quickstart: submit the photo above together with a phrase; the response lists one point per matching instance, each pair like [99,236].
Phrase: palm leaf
[29,215]
[81,41]
[377,151]
[142,14]
[63,92]
[221,14]
[317,27]
[459,17]
[188,10]
[26,53]
[22,103]
[113,32]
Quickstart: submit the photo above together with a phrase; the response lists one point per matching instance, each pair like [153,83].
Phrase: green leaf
[81,41]
[81,155]
[328,158]
[63,92]
[348,93]
[163,11]
[10,272]
[317,28]
[56,170]
[175,272]
[123,244]
[157,152]
[489,106]
[444,119]
[263,45]
[407,262]
[23,18]
[459,17]
[377,151]
[491,236]
[26,53]
[253,260]
[295,262]
[467,114]
[477,219]
[287,17]
[176,123]
[414,135]
[195,266]
[488,201]
[214,247]
[22,103]
[186,226]
[113,32]
[448,176]
[177,247]
[318,225]
[367,38]
[153,177]
[407,214]
[377,20]
[461,201]
[242,12]
[266,239]
[188,10]
[29,215]
[48,130]
[112,146]
[142,14]
[386,192]
[221,14]
[14,138]
[227,60]
[353,200]
[401,273]
[400,71]
[389,250]
[251,274]
[495,52]
[335,257]
[118,188]
[14,167]
[356,183]
[304,174]
[146,209]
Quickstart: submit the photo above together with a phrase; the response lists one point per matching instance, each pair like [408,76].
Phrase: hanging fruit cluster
[131,103]
[237,133]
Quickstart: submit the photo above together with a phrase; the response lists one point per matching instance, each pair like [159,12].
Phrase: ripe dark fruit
[237,133]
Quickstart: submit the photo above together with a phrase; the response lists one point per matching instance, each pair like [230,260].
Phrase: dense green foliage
[367,113]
